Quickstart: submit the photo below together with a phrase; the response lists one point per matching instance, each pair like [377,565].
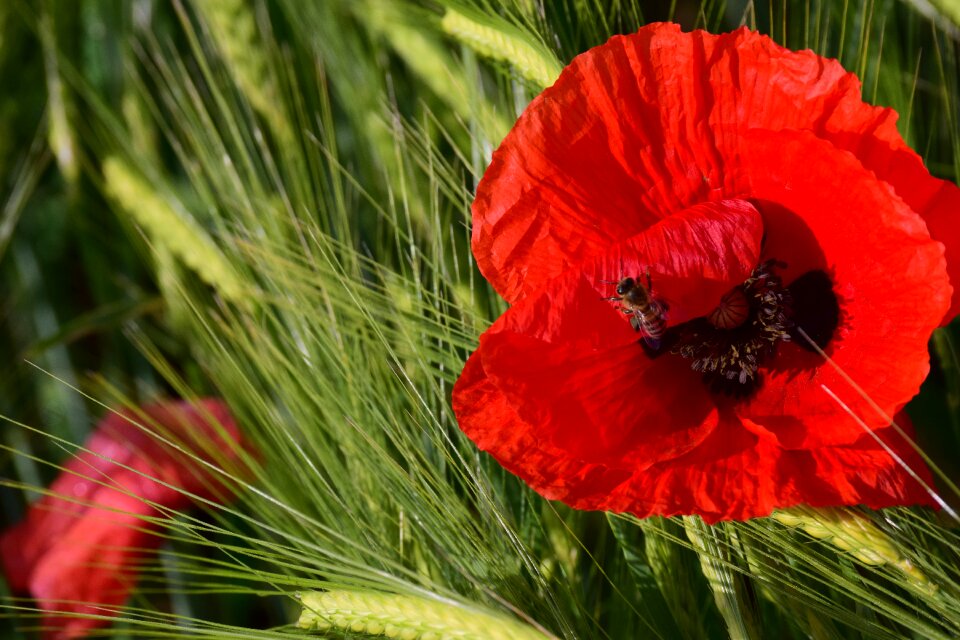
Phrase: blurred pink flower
[79,548]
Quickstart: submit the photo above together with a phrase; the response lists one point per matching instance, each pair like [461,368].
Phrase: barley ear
[505,43]
[407,617]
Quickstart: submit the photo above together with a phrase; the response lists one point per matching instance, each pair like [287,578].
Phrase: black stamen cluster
[729,358]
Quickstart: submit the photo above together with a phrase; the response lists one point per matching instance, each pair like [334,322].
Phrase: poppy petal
[599,156]
[177,434]
[603,404]
[760,85]
[829,215]
[693,257]
[736,473]
[730,475]
[862,472]
[79,543]
[93,567]
[740,472]
[488,419]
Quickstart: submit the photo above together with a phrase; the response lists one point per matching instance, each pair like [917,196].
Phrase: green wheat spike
[505,43]
[673,571]
[233,27]
[728,585]
[950,9]
[422,50]
[178,234]
[406,617]
[61,135]
[857,535]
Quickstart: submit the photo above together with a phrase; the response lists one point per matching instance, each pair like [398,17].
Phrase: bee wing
[661,306]
[639,323]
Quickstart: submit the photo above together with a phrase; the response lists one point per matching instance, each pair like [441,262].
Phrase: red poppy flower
[78,550]
[750,193]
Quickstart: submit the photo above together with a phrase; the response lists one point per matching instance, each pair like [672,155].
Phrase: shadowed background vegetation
[268,201]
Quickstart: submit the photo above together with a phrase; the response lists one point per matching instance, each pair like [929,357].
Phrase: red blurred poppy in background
[79,548]
[763,197]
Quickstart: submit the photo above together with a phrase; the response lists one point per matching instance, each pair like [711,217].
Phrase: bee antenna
[610,281]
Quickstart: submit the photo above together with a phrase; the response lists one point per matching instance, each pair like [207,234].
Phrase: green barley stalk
[174,231]
[494,38]
[233,26]
[674,570]
[422,50]
[946,12]
[731,589]
[857,535]
[61,137]
[406,617]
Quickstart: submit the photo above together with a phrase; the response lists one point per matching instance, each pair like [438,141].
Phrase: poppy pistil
[729,345]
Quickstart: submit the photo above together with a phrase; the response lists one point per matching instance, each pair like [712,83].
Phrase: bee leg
[652,348]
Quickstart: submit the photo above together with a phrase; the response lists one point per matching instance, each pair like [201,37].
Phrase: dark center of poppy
[729,345]
[815,309]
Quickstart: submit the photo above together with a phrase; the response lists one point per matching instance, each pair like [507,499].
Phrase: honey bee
[647,314]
